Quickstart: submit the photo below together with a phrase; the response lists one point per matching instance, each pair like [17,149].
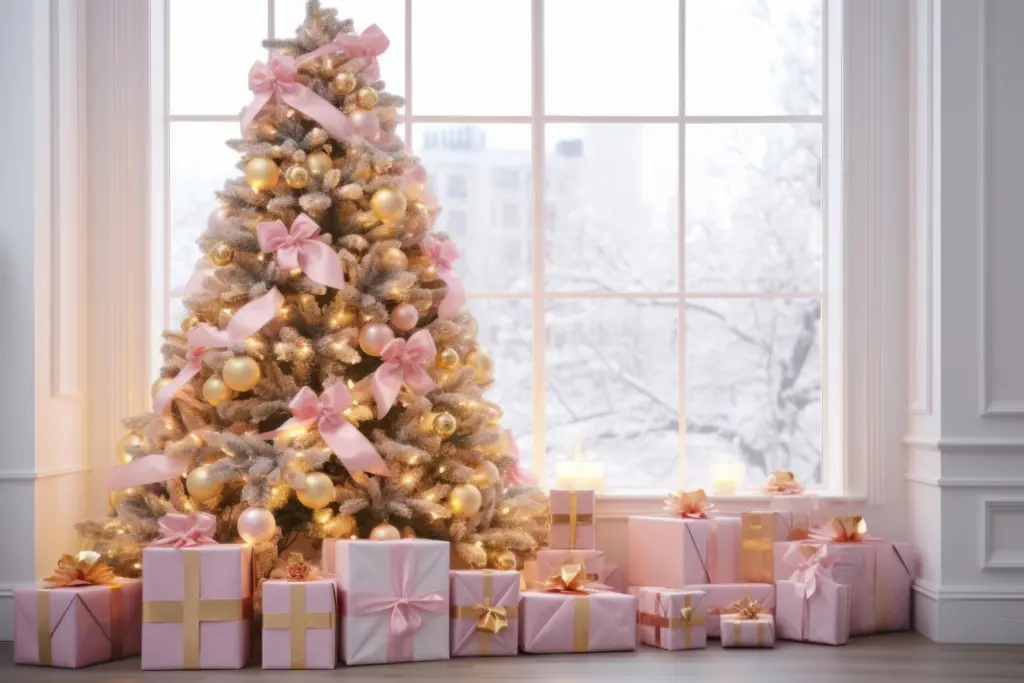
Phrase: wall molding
[935,591]
[35,475]
[959,446]
[990,552]
[965,482]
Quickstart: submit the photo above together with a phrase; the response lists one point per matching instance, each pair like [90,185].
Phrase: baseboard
[969,614]
[6,612]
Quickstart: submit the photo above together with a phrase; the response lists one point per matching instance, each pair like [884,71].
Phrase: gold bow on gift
[783,483]
[295,568]
[572,579]
[84,569]
[687,615]
[746,609]
[493,619]
[692,504]
[848,529]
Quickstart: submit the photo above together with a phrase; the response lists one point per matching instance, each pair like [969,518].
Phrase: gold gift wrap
[490,619]
[297,620]
[757,539]
[581,624]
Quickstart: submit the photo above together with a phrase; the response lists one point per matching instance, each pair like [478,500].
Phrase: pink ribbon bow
[249,320]
[444,255]
[299,248]
[149,469]
[406,608]
[402,364]
[811,567]
[353,449]
[186,531]
[370,43]
[276,78]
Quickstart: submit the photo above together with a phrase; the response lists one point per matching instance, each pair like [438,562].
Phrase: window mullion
[537,191]
[681,240]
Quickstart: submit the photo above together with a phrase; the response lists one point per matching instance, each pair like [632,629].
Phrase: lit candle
[577,475]
[726,477]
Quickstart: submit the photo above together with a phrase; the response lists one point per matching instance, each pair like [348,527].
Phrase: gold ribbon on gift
[686,620]
[762,633]
[757,539]
[574,579]
[491,619]
[573,519]
[581,624]
[846,529]
[297,620]
[193,610]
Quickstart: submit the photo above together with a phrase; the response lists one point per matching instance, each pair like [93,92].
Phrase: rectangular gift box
[561,622]
[672,619]
[724,550]
[299,624]
[719,598]
[824,617]
[196,607]
[738,632]
[327,555]
[484,613]
[668,551]
[572,520]
[372,578]
[77,626]
[551,561]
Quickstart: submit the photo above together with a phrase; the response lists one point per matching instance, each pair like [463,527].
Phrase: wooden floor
[895,658]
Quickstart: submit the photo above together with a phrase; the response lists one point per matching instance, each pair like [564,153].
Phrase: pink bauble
[256,525]
[374,337]
[218,220]
[366,123]
[389,141]
[404,317]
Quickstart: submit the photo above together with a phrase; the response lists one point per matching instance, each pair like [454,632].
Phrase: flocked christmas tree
[327,380]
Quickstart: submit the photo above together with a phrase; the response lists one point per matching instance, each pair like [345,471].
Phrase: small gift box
[485,613]
[666,551]
[196,598]
[83,615]
[748,626]
[394,597]
[724,550]
[299,618]
[571,615]
[722,599]
[672,619]
[813,609]
[549,562]
[572,520]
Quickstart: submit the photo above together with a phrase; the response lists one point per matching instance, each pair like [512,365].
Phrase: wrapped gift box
[672,619]
[76,626]
[719,599]
[724,550]
[668,551]
[550,561]
[572,520]
[484,613]
[758,533]
[614,577]
[299,624]
[740,632]
[327,555]
[823,617]
[562,622]
[196,606]
[394,597]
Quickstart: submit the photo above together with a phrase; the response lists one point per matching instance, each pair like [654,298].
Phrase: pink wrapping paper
[468,593]
[412,627]
[738,632]
[225,574]
[572,520]
[659,605]
[724,550]
[550,561]
[327,555]
[719,597]
[548,622]
[822,618]
[614,577]
[319,644]
[668,551]
[85,624]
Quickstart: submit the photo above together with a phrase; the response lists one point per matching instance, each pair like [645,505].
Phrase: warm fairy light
[408,479]
[337,347]
[121,532]
[137,565]
[349,414]
[440,470]
[434,515]
[305,350]
[169,423]
[414,459]
[228,311]
[350,383]
[323,515]
[196,439]
[506,510]
[260,257]
[284,312]
[187,505]
[297,430]
[354,537]
[295,272]
[479,544]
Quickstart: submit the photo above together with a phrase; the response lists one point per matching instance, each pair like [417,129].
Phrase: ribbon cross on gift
[573,518]
[299,248]
[659,619]
[490,619]
[297,621]
[186,531]
[443,255]
[403,364]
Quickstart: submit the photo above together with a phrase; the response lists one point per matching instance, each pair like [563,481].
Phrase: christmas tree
[326,381]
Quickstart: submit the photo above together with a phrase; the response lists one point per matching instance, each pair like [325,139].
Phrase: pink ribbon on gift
[405,607]
[299,248]
[353,449]
[186,531]
[370,43]
[249,320]
[149,469]
[811,569]
[403,361]
[444,255]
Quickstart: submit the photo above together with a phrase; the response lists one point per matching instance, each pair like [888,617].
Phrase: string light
[440,470]
[295,272]
[137,565]
[323,515]
[196,439]
[408,479]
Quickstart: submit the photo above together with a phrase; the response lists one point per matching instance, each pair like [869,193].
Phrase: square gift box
[738,631]
[299,624]
[394,600]
[75,626]
[668,551]
[484,613]
[672,619]
[823,617]
[568,622]
[572,520]
[719,599]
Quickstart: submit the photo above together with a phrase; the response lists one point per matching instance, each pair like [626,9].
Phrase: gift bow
[783,483]
[686,614]
[186,531]
[353,449]
[295,568]
[249,320]
[299,248]
[746,609]
[572,579]
[443,255]
[691,504]
[848,529]
[814,565]
[87,568]
[370,43]
[493,619]
[403,362]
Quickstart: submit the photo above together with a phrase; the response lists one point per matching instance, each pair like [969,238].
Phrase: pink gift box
[196,606]
[668,551]
[738,632]
[394,600]
[327,555]
[614,577]
[719,598]
[472,592]
[822,618]
[548,622]
[77,626]
[551,561]
[672,619]
[724,550]
[572,520]
[299,624]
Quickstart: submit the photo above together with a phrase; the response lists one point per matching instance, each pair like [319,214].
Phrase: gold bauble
[318,163]
[262,173]
[200,486]
[428,273]
[385,532]
[297,177]
[131,439]
[189,322]
[448,359]
[115,498]
[504,561]
[465,500]
[367,98]
[216,392]
[388,204]
[483,365]
[159,384]
[319,491]
[486,474]
[342,526]
[345,83]
[266,130]
[393,258]
[221,254]
[241,373]
[445,425]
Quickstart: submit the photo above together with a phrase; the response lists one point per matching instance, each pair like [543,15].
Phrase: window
[653,256]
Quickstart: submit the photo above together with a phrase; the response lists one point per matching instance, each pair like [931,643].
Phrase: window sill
[621,506]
